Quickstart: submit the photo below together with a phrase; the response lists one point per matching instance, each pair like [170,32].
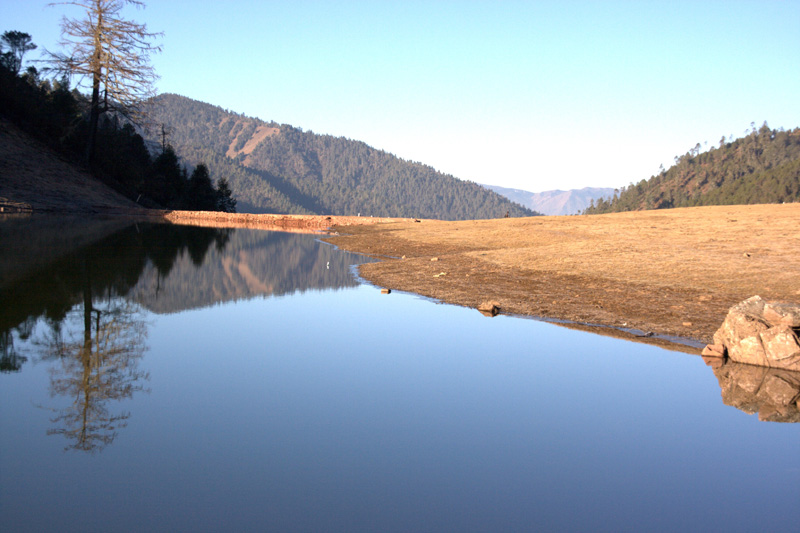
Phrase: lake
[167,378]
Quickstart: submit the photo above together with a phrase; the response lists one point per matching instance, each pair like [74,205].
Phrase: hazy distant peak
[555,202]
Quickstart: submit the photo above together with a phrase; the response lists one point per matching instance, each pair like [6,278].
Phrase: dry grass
[673,272]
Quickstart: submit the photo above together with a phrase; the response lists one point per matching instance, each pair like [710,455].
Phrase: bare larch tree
[112,56]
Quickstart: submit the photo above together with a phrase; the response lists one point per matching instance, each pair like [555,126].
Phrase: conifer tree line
[299,172]
[102,129]
[281,168]
[760,168]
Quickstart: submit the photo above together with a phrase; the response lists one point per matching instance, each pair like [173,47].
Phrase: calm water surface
[158,378]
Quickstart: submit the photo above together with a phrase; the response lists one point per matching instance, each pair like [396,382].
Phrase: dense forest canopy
[280,168]
[60,116]
[762,167]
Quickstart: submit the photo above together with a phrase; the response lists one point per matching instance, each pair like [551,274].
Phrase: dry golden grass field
[670,272]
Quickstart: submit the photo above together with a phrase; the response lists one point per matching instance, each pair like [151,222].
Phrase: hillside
[556,202]
[760,168]
[32,173]
[280,168]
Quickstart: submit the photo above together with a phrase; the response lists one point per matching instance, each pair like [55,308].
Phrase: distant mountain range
[555,202]
[277,168]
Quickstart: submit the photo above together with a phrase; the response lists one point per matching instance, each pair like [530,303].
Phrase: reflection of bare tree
[99,368]
[95,348]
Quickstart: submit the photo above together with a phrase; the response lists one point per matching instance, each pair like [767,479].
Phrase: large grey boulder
[761,333]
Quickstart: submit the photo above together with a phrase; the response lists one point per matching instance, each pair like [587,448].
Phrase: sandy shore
[668,273]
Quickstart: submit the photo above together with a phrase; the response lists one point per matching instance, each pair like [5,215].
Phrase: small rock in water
[490,308]
[386,291]
[714,350]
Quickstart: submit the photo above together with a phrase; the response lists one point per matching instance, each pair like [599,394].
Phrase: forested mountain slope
[762,167]
[279,168]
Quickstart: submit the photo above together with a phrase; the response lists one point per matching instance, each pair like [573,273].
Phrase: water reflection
[109,267]
[10,359]
[164,268]
[82,308]
[347,411]
[91,334]
[252,264]
[772,393]
[94,370]
[89,302]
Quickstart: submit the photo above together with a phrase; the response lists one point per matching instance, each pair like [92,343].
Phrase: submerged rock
[761,333]
[772,393]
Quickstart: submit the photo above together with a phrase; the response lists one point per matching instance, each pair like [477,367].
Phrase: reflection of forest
[163,267]
[772,393]
[252,263]
[114,263]
[78,305]
[30,243]
[93,335]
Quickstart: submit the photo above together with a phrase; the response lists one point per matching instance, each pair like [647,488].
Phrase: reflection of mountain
[93,337]
[253,263]
[109,266]
[773,394]
[164,267]
[93,332]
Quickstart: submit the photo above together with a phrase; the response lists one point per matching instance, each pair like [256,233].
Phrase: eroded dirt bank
[292,223]
[671,272]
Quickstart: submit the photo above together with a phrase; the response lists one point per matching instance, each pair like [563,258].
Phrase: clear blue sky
[532,95]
